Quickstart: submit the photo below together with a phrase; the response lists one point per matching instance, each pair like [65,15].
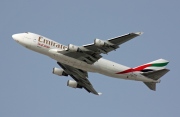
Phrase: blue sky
[29,89]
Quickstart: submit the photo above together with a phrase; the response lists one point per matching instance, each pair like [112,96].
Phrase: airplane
[77,61]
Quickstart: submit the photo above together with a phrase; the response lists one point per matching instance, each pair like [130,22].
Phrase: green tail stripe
[160,64]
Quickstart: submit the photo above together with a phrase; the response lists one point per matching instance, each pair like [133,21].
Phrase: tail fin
[152,66]
[153,70]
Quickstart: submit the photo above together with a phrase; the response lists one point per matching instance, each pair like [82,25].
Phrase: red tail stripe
[139,68]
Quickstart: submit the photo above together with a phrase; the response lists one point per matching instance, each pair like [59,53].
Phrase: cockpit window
[27,32]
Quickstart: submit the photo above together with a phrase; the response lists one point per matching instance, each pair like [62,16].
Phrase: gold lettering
[64,47]
[57,45]
[40,39]
[48,42]
[51,43]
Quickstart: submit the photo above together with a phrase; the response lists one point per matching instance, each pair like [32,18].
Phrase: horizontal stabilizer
[151,85]
[155,75]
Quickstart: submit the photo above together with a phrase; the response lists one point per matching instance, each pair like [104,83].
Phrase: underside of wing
[124,38]
[80,78]
[91,53]
[105,46]
[88,57]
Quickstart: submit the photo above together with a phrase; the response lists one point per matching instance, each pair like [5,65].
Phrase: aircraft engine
[73,84]
[99,43]
[73,48]
[59,72]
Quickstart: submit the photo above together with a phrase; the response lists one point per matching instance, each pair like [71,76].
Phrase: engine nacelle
[73,84]
[59,72]
[73,48]
[99,43]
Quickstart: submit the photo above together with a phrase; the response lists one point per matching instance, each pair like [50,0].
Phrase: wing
[80,77]
[111,44]
[91,53]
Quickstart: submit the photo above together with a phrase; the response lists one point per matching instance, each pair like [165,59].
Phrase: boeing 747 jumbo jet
[77,61]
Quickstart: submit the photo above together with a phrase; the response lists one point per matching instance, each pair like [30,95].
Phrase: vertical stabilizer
[152,66]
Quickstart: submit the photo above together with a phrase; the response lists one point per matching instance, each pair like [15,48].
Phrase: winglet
[139,33]
[99,93]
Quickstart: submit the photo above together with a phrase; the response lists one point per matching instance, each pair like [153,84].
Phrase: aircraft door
[35,40]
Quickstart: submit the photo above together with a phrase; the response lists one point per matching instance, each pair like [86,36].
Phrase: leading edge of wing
[124,38]
[80,77]
[136,33]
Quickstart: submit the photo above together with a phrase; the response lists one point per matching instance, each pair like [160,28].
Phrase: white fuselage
[49,48]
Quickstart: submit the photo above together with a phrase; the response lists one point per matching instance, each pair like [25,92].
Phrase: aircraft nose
[16,36]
